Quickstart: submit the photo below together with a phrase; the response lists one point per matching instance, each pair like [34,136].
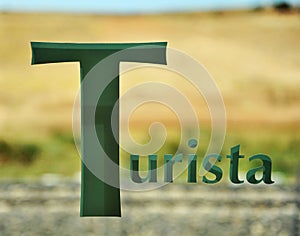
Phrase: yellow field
[254,58]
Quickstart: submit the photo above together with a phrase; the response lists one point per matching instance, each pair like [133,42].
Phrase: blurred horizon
[253,57]
[135,6]
[251,49]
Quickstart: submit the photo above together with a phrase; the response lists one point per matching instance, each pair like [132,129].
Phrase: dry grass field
[253,57]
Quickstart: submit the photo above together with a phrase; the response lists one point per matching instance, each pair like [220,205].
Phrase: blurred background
[252,50]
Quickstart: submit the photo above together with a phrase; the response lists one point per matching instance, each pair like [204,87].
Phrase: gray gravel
[43,208]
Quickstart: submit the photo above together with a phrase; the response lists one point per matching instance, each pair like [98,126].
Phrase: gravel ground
[43,208]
